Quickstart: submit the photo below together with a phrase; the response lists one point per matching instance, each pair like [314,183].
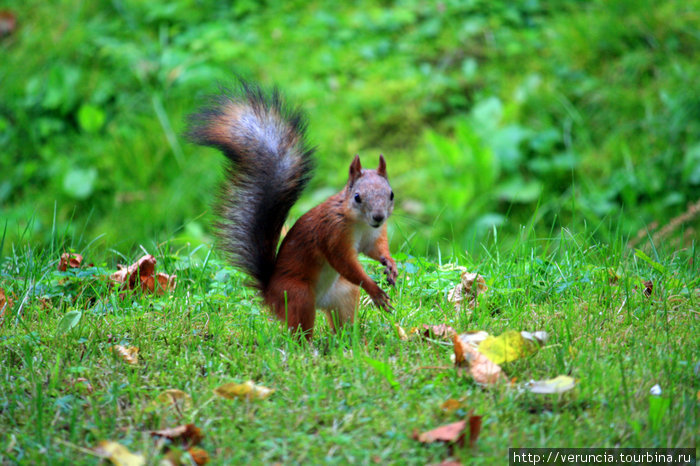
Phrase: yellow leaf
[129,355]
[558,384]
[506,347]
[450,405]
[401,332]
[173,397]
[247,390]
[118,454]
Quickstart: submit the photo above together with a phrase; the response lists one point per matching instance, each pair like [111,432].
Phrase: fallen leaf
[471,286]
[558,384]
[69,320]
[136,273]
[474,429]
[539,336]
[69,260]
[473,338]
[129,355]
[187,435]
[451,405]
[247,390]
[165,282]
[469,338]
[198,455]
[401,332]
[453,433]
[178,399]
[447,433]
[438,331]
[118,454]
[507,347]
[481,368]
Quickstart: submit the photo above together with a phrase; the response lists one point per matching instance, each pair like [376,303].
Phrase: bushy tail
[271,163]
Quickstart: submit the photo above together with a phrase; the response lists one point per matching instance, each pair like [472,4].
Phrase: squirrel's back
[271,164]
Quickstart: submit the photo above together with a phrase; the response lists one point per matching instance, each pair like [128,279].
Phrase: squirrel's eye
[358,199]
[391,196]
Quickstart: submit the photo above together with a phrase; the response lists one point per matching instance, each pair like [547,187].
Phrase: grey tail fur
[270,165]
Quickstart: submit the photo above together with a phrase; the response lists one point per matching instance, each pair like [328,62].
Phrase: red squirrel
[271,163]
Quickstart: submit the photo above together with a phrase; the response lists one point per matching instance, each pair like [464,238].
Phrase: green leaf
[384,370]
[90,118]
[655,265]
[79,183]
[658,408]
[518,190]
[68,321]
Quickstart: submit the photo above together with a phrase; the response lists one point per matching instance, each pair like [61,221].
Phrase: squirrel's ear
[355,169]
[381,170]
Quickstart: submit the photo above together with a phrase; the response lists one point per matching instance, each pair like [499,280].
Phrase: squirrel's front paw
[382,301]
[391,271]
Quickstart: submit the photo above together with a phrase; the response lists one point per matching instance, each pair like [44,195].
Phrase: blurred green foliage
[490,113]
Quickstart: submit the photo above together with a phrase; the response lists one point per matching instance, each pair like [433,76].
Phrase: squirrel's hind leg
[340,302]
[293,302]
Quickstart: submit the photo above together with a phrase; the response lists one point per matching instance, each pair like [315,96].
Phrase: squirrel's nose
[378,218]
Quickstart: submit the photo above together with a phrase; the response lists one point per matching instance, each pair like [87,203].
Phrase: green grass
[331,404]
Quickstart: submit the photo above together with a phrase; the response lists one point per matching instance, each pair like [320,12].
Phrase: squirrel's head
[368,193]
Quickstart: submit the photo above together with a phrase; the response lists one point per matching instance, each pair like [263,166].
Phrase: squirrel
[270,164]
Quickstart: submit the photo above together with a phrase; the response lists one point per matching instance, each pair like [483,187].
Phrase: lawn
[619,322]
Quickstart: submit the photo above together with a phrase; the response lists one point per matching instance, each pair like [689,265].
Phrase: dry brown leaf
[438,331]
[448,433]
[118,454]
[471,286]
[144,267]
[482,369]
[187,435]
[474,429]
[248,390]
[472,339]
[453,433]
[129,355]
[165,282]
[199,456]
[141,274]
[69,260]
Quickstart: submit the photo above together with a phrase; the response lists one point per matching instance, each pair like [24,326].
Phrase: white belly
[326,280]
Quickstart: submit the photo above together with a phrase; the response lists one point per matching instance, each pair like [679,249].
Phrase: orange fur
[327,240]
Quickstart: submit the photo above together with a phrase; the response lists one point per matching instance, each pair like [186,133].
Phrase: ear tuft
[381,170]
[355,170]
